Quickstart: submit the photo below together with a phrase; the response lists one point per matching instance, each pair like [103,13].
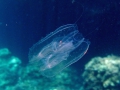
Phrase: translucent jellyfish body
[58,50]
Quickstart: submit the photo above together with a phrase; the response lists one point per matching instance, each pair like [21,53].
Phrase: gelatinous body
[58,50]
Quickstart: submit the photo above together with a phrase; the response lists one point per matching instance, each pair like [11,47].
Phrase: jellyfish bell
[58,50]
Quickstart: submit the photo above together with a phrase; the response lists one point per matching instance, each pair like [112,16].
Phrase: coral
[102,73]
[4,52]
[9,67]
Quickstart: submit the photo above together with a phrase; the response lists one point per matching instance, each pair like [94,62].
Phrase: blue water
[24,22]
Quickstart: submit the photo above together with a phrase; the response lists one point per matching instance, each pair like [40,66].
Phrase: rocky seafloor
[100,73]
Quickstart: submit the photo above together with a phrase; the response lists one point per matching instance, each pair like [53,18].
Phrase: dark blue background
[24,22]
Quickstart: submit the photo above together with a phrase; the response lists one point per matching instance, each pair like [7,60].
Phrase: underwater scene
[60,45]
